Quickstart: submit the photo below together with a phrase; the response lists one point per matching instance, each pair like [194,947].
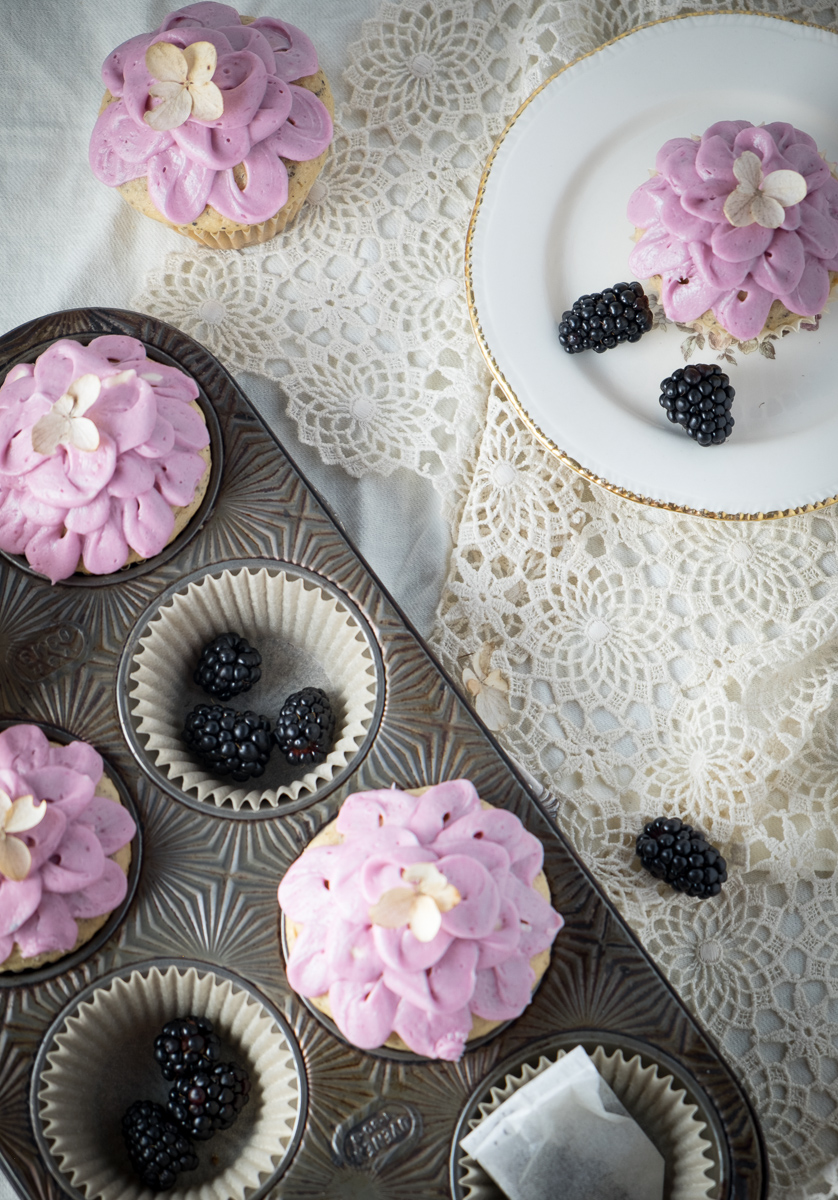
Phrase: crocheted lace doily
[634,661]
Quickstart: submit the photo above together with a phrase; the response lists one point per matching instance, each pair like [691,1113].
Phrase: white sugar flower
[65,423]
[184,84]
[16,816]
[762,198]
[488,688]
[420,907]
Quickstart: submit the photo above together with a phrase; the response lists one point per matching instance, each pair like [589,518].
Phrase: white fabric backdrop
[634,661]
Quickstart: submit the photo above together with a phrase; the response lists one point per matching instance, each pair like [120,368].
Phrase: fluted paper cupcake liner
[305,636]
[102,1060]
[662,1110]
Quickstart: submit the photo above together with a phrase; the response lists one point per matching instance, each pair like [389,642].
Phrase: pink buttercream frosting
[266,118]
[95,506]
[381,980]
[71,876]
[704,261]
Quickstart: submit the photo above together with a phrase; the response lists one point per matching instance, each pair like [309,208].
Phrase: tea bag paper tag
[566,1124]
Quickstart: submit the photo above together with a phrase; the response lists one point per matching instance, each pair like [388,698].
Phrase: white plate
[550,224]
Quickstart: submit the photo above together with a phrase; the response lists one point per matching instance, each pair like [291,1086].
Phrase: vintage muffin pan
[109,661]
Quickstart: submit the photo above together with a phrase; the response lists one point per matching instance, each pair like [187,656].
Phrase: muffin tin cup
[98,1058]
[102,927]
[666,1111]
[307,632]
[210,482]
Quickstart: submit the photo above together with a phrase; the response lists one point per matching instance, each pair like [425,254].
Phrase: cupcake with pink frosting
[215,124]
[738,230]
[419,921]
[64,847]
[104,456]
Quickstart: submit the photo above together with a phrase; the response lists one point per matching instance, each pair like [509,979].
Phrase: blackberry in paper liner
[652,1098]
[85,1090]
[305,636]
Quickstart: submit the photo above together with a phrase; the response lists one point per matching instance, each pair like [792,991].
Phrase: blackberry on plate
[305,726]
[229,742]
[602,320]
[673,851]
[228,665]
[158,1150]
[699,397]
[209,1100]
[185,1046]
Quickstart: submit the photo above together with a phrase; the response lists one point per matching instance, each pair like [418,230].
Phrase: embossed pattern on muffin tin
[207,888]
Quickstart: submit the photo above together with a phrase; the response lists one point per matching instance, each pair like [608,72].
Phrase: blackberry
[673,851]
[228,665]
[209,1100]
[699,398]
[229,742]
[158,1150]
[186,1045]
[603,319]
[305,726]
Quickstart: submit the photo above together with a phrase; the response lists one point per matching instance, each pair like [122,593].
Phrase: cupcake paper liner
[306,638]
[102,1060]
[661,1109]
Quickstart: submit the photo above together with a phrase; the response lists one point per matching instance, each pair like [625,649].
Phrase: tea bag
[565,1132]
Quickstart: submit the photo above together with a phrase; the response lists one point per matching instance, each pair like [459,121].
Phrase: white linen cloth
[633,661]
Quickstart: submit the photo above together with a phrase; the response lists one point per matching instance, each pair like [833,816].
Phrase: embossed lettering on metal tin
[377,1135]
[47,652]
[206,890]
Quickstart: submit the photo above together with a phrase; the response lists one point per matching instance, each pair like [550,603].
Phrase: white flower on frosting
[184,84]
[762,198]
[420,906]
[16,816]
[65,423]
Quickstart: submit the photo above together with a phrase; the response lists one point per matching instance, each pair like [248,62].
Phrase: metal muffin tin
[378,1124]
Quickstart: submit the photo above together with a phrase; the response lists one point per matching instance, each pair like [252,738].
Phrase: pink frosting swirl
[266,118]
[704,261]
[95,506]
[384,980]
[71,876]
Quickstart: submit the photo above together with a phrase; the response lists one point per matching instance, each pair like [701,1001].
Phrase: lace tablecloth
[634,661]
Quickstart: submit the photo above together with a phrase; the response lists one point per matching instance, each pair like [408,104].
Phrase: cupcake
[419,921]
[738,230]
[104,457]
[64,847]
[215,124]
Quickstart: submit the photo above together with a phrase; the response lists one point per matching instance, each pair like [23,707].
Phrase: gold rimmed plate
[550,224]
